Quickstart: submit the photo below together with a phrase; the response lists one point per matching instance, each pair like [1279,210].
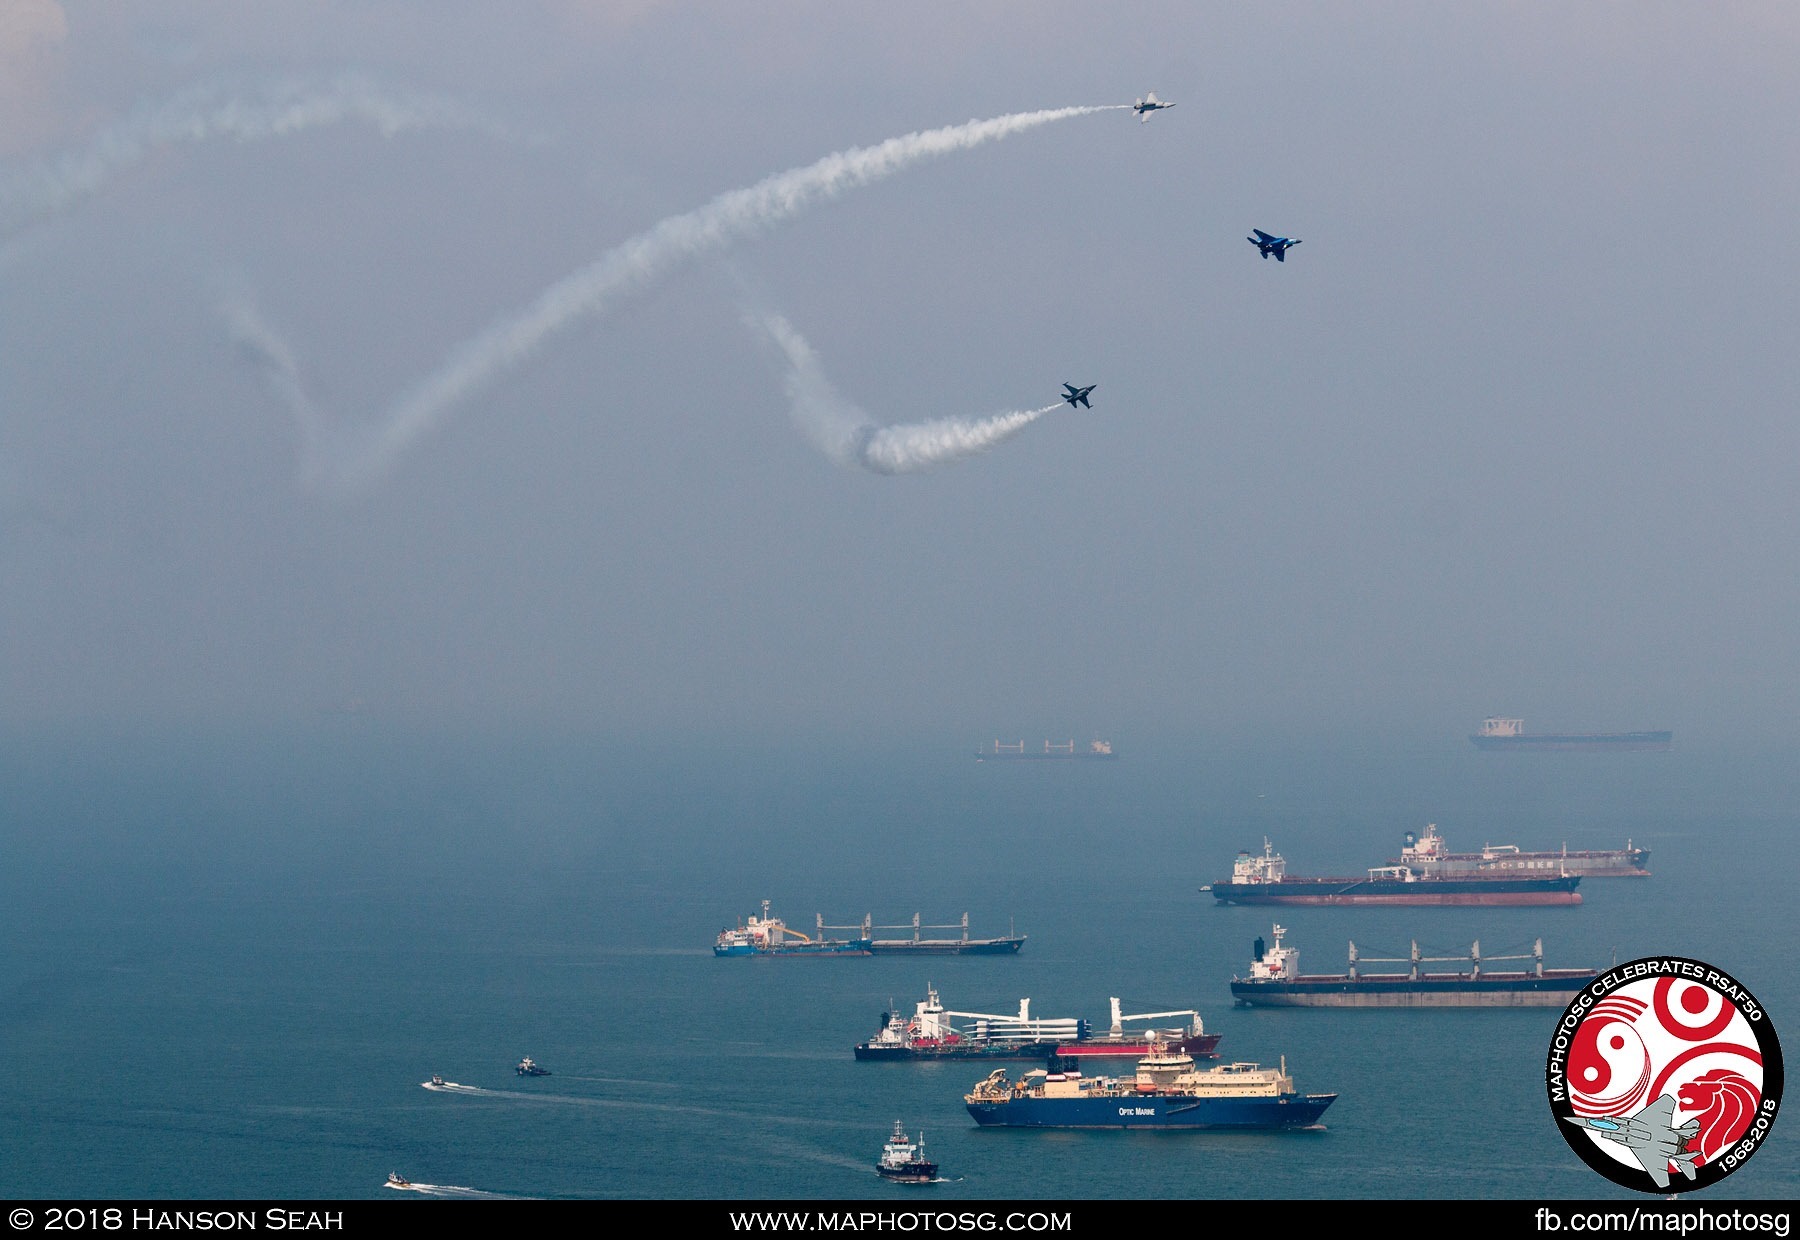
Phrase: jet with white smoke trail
[636,263]
[272,109]
[850,437]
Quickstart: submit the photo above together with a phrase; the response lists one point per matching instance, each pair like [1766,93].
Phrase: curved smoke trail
[635,263]
[275,109]
[850,437]
[271,355]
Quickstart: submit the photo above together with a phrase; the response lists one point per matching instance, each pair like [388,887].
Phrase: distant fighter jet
[1078,396]
[1148,104]
[1278,246]
[1650,1138]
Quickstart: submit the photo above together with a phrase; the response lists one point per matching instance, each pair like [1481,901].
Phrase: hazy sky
[424,360]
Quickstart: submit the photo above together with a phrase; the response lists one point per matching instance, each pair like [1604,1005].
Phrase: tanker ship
[1498,733]
[1167,1092]
[1263,879]
[1276,981]
[1428,854]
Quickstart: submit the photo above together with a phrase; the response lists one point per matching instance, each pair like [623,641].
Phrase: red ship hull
[1203,1046]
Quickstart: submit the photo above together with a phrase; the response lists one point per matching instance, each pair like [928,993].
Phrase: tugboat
[528,1068]
[904,1161]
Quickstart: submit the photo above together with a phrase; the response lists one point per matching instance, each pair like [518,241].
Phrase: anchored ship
[1003,751]
[1263,879]
[769,936]
[1427,854]
[1276,981]
[1167,1092]
[918,945]
[1498,733]
[936,1033]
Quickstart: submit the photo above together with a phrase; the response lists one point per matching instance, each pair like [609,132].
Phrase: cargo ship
[1276,981]
[1015,751]
[769,936]
[1263,879]
[935,1033]
[918,945]
[1168,1091]
[1428,855]
[1498,733]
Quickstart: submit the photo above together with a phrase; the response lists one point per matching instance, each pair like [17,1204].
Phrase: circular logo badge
[1664,1074]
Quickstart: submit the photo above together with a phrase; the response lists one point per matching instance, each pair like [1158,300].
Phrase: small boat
[396,1180]
[904,1161]
[529,1068]
[436,1079]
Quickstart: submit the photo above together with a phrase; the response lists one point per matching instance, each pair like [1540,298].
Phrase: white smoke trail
[274,109]
[636,262]
[850,437]
[320,442]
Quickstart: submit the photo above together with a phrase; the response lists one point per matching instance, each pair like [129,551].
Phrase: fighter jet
[1278,246]
[1148,104]
[1078,396]
[1650,1138]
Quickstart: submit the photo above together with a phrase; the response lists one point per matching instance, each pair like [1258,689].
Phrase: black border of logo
[1727,988]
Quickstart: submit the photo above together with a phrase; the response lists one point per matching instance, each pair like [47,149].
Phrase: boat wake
[447,1190]
[451,1087]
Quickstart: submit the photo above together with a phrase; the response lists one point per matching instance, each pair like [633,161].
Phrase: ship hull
[1153,1111]
[1401,992]
[1203,1046]
[1419,892]
[911,1173]
[877,1052]
[947,947]
[1551,742]
[808,951]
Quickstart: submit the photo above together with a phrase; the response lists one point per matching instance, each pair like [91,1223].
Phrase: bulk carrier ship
[1263,879]
[1014,751]
[1276,981]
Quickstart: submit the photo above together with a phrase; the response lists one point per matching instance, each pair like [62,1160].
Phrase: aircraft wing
[1261,235]
[1657,1167]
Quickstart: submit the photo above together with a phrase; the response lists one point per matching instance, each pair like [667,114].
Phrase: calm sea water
[229,964]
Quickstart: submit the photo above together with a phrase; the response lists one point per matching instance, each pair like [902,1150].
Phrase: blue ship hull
[1154,1111]
[851,947]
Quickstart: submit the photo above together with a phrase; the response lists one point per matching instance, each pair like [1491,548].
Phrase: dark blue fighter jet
[1078,396]
[1278,246]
